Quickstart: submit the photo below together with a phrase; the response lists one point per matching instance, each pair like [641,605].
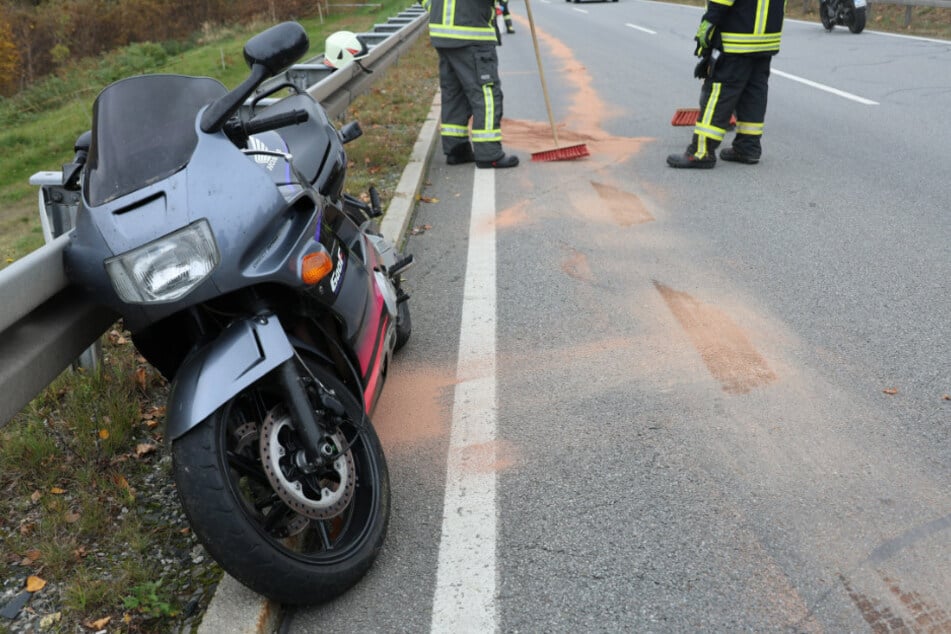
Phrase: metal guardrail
[45,323]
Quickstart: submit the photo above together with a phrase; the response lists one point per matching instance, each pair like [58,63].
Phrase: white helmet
[342,47]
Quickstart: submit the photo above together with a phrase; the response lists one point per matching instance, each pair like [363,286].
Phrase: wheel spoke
[278,512]
[323,533]
[246,467]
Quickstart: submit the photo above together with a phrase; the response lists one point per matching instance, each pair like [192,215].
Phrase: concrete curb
[234,609]
[398,214]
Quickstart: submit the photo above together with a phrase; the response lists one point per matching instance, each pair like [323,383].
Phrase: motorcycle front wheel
[295,534]
[827,22]
[858,20]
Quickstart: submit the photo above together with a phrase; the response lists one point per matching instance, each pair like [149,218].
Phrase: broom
[559,153]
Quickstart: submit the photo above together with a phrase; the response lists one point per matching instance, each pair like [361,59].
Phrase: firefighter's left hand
[704,34]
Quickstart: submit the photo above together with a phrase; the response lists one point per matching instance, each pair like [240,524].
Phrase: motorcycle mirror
[83,142]
[267,54]
[351,131]
[277,48]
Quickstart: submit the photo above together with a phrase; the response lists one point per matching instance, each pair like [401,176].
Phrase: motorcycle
[223,239]
[850,13]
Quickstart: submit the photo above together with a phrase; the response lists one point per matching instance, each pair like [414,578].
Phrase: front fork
[310,423]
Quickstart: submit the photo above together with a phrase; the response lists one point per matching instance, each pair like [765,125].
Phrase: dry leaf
[72,517]
[79,553]
[26,529]
[31,557]
[35,584]
[57,491]
[140,378]
[947,397]
[891,391]
[120,480]
[144,448]
[428,199]
[36,496]
[418,229]
[99,624]
[103,434]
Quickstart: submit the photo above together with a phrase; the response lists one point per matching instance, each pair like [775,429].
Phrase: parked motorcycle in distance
[850,13]
[267,297]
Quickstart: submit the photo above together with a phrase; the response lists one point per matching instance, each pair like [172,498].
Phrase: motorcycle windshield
[143,130]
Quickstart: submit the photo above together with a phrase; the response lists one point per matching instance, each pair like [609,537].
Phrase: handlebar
[236,128]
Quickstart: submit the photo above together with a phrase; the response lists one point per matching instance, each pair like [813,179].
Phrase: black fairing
[315,145]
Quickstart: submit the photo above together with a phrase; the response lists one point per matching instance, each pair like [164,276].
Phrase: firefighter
[463,34]
[503,9]
[736,42]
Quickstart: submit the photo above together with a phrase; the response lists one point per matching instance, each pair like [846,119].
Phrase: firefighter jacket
[747,26]
[456,23]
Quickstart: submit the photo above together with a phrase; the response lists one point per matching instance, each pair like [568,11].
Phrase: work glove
[702,69]
[707,63]
[704,36]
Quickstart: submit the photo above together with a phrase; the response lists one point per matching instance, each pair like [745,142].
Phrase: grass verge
[90,524]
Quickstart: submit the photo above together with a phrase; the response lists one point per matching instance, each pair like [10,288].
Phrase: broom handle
[541,73]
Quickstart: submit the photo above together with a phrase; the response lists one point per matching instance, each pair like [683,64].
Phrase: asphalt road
[656,400]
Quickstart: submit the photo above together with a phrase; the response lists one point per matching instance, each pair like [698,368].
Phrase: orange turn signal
[315,267]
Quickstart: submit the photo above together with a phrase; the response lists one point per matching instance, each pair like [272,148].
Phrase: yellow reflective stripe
[743,38]
[703,128]
[449,12]
[750,42]
[489,100]
[462,32]
[709,132]
[448,129]
[486,136]
[726,3]
[748,127]
[759,22]
[701,148]
[711,104]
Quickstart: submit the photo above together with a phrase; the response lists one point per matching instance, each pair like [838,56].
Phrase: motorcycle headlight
[166,269]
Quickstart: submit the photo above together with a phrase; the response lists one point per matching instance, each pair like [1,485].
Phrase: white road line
[640,28]
[579,10]
[834,91]
[465,579]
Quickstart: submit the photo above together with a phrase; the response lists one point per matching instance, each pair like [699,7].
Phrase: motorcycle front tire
[255,537]
[827,22]
[858,20]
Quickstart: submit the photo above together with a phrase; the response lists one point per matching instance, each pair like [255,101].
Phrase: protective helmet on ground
[342,47]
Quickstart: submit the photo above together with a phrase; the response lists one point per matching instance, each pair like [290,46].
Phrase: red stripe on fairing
[369,394]
[372,331]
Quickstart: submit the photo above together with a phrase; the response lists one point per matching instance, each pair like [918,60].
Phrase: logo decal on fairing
[256,144]
[338,270]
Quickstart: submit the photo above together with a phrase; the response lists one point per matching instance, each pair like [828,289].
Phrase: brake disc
[320,495]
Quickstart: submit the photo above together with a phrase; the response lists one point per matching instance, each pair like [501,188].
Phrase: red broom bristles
[562,154]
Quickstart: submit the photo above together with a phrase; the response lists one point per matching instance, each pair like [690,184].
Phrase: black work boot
[460,154]
[689,160]
[506,160]
[730,154]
